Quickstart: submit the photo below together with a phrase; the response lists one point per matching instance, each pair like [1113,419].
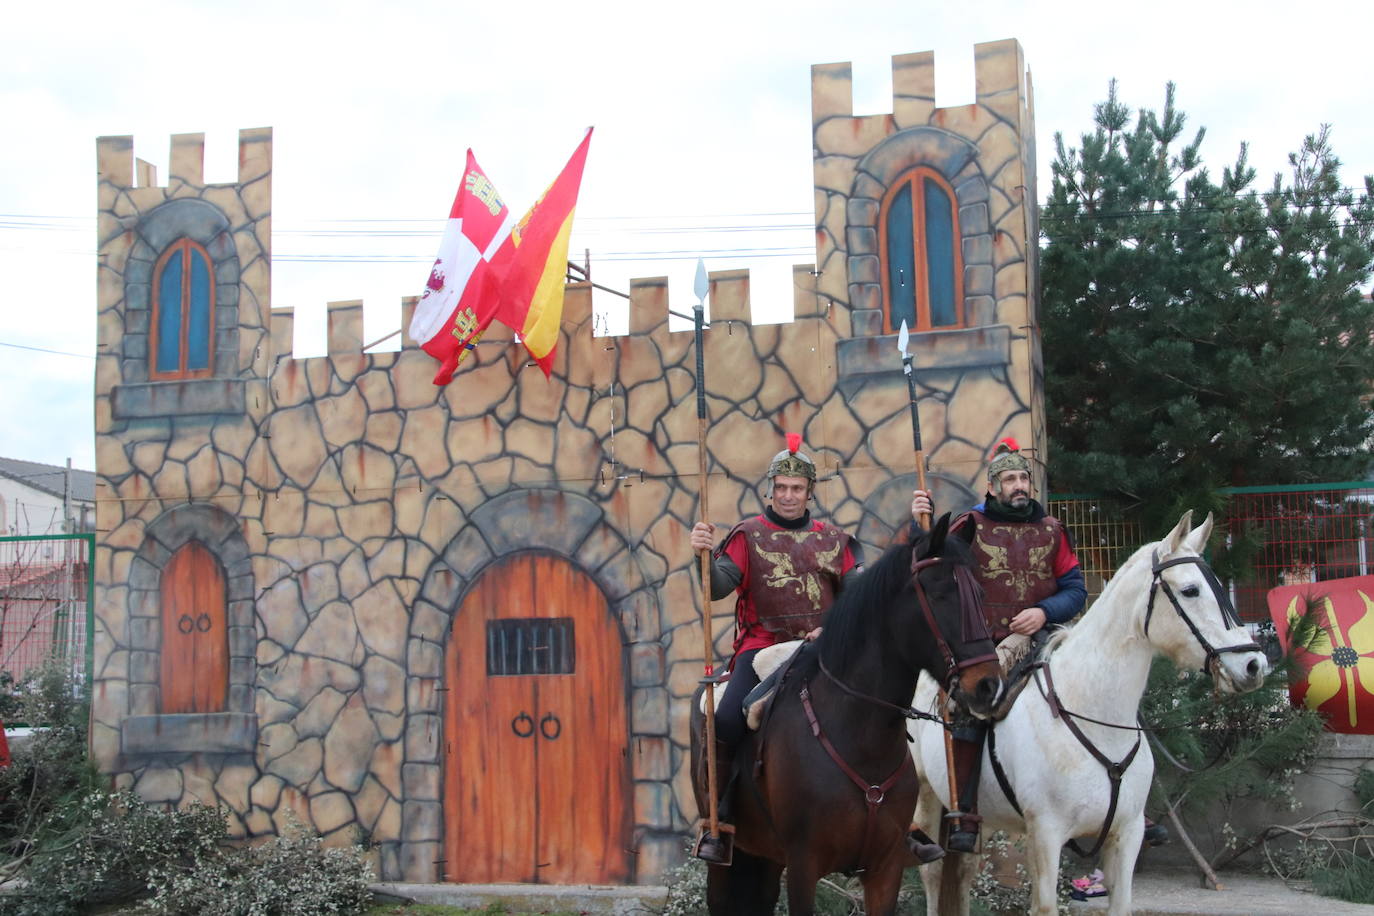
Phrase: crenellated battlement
[999,73]
[116,164]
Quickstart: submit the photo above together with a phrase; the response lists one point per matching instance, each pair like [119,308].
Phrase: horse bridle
[970,606]
[971,610]
[1229,617]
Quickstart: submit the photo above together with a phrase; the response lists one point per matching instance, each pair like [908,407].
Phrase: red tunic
[787,592]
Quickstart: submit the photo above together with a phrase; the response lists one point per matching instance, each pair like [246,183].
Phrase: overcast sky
[702,143]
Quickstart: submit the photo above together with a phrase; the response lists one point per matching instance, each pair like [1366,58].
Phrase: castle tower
[928,215]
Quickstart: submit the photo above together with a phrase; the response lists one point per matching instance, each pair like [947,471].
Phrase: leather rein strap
[873,794]
[971,608]
[1229,618]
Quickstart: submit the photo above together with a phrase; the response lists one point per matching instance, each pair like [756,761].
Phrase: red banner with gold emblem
[1335,670]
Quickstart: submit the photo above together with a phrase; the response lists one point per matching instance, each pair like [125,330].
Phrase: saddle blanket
[766,662]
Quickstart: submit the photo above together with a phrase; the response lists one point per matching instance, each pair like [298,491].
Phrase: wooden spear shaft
[704,559]
[916,433]
[925,523]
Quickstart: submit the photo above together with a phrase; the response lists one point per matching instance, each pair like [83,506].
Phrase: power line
[46,350]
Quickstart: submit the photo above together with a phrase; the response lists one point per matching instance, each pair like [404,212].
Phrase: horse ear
[1197,539]
[935,541]
[1174,539]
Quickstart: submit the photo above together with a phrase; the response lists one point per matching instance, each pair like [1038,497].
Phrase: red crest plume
[793,442]
[1005,445]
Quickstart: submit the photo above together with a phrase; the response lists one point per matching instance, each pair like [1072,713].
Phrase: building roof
[48,478]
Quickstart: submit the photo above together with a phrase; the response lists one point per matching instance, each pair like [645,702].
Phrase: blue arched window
[182,332]
[923,274]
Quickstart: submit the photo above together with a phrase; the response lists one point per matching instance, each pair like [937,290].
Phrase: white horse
[1163,599]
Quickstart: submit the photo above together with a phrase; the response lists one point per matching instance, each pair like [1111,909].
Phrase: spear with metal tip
[702,287]
[903,337]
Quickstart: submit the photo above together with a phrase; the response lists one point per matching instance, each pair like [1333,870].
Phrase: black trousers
[730,719]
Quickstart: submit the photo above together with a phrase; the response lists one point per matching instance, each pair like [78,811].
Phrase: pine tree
[1201,333]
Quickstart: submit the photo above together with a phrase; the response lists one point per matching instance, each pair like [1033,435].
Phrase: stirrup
[963,832]
[716,850]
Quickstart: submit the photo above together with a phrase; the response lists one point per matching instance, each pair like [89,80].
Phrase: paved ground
[535,898]
[1158,892]
[1174,892]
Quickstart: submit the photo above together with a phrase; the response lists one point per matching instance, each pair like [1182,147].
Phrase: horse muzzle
[1239,672]
[979,688]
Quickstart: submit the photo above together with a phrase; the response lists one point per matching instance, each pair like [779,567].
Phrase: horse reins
[970,605]
[968,598]
[1116,770]
[908,712]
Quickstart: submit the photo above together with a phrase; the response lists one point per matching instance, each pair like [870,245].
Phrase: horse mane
[1106,597]
[1052,642]
[856,615]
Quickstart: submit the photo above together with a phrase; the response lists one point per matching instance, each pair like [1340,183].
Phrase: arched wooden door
[195,643]
[536,778]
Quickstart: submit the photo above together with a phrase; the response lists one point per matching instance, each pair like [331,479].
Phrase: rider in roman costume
[785,568]
[1031,578]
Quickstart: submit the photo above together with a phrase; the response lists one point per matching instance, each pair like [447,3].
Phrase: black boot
[719,849]
[963,831]
[1155,834]
[923,847]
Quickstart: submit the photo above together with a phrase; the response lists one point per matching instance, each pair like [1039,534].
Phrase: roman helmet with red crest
[1006,456]
[792,462]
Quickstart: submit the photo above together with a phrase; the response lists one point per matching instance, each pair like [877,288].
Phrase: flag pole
[704,558]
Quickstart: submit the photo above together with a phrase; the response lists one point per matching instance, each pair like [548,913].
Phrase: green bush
[48,770]
[101,848]
[293,875]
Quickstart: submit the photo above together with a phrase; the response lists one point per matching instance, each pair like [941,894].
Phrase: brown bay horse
[827,784]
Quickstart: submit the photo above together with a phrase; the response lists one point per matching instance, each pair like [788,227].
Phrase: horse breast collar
[1116,769]
[1229,617]
[874,795]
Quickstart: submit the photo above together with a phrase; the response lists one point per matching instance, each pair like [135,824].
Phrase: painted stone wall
[353,506]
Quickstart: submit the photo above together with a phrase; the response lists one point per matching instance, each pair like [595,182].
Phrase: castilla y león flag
[533,278]
[462,294]
[491,266]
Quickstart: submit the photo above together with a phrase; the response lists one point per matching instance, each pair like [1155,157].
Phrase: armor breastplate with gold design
[1015,563]
[793,575]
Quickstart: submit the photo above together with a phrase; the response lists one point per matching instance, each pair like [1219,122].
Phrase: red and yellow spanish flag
[532,279]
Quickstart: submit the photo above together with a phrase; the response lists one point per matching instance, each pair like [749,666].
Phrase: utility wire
[46,350]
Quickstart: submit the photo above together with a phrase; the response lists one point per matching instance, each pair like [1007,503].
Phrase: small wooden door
[195,643]
[536,778]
